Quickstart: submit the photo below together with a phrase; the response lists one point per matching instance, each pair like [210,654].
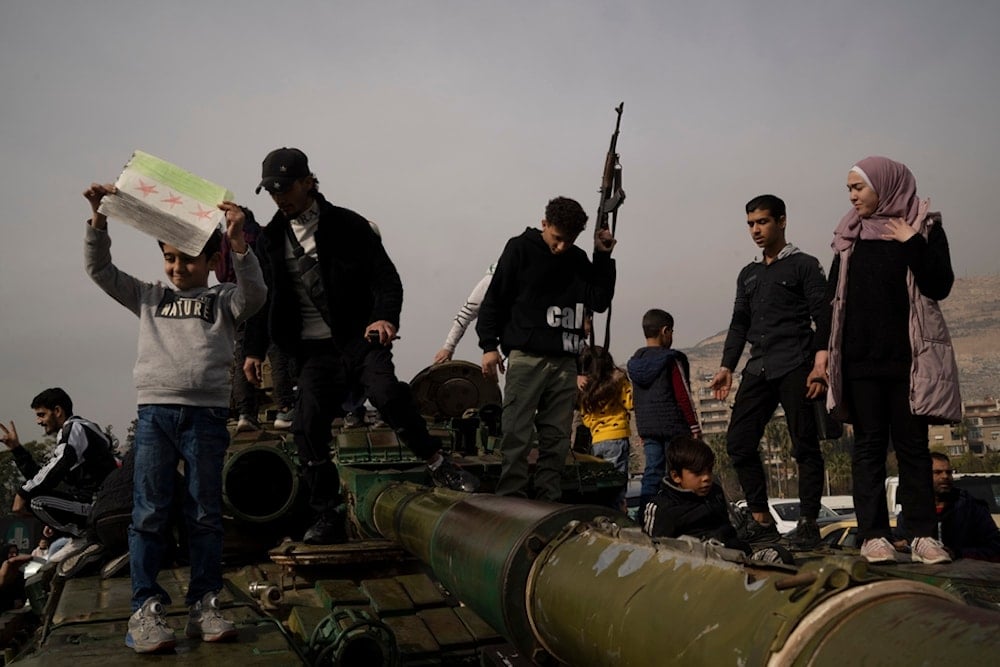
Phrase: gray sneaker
[206,621]
[148,630]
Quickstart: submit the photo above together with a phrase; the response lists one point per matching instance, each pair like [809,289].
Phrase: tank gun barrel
[565,584]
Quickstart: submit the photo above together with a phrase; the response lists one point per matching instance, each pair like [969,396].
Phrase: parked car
[786,513]
[844,533]
[840,504]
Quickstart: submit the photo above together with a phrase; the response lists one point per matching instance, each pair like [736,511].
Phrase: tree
[724,473]
[10,477]
[779,450]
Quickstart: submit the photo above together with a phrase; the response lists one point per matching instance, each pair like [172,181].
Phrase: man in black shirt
[778,298]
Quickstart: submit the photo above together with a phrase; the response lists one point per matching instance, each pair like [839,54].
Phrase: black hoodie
[536,301]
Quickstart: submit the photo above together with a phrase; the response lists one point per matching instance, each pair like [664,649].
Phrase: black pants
[65,513]
[756,400]
[880,409]
[327,375]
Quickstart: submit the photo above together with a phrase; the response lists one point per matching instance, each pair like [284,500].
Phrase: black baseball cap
[281,168]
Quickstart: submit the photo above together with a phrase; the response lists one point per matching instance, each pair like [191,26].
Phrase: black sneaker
[450,476]
[806,534]
[327,530]
[759,533]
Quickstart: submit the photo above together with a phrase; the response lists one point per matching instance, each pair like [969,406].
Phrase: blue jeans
[656,467]
[165,435]
[615,452]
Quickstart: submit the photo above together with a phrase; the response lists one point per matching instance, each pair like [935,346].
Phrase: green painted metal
[480,546]
[566,584]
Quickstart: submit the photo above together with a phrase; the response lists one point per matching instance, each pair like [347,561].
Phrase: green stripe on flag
[178,179]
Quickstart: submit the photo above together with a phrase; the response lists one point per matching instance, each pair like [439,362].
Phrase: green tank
[436,577]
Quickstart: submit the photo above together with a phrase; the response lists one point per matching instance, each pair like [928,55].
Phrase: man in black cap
[334,299]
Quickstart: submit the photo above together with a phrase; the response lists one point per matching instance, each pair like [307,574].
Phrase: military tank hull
[436,577]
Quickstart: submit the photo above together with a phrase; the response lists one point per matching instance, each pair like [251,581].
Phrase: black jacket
[675,511]
[359,280]
[775,308]
[965,526]
[536,300]
[82,458]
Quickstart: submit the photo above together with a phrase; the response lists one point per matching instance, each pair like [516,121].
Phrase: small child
[663,405]
[690,502]
[605,406]
[185,353]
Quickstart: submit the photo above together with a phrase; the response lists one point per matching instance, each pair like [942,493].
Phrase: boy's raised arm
[94,194]
[119,285]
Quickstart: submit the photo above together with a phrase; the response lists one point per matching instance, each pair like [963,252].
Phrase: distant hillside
[973,315]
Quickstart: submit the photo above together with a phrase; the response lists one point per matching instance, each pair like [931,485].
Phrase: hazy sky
[452,123]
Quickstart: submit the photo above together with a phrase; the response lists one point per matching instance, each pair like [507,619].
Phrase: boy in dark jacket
[535,308]
[690,502]
[662,397]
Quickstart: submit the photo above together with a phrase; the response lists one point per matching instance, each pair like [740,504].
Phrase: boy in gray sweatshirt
[186,334]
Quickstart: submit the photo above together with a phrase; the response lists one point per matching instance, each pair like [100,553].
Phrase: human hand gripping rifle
[612,196]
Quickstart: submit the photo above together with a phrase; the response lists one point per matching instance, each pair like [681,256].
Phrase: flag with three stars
[167,202]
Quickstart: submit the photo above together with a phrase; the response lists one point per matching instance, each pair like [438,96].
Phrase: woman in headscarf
[892,368]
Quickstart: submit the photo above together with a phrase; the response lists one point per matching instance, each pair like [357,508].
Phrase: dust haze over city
[451,124]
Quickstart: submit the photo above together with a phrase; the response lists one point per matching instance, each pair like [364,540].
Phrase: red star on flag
[173,200]
[146,188]
[201,213]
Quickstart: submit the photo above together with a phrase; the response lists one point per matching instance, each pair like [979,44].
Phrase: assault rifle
[612,194]
[612,197]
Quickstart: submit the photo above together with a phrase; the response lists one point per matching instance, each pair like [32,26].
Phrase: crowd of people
[315,291]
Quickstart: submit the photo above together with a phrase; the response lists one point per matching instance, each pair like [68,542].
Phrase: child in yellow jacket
[605,407]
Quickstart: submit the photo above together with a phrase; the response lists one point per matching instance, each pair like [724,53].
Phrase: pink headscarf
[896,188]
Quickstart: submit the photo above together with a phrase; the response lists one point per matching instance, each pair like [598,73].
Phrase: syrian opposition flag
[166,202]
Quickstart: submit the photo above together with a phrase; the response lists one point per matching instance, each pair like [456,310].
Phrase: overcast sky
[452,123]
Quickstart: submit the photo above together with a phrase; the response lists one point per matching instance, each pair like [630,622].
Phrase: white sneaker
[71,546]
[928,550]
[878,550]
[246,423]
[283,419]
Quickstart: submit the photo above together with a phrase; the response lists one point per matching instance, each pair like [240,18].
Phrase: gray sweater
[185,350]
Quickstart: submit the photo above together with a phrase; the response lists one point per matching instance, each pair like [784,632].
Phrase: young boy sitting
[662,397]
[691,502]
[185,353]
